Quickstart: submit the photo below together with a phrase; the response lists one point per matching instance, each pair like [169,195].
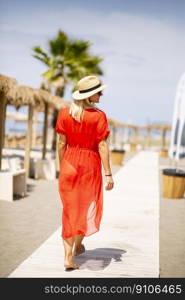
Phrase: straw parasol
[47,103]
[36,99]
[118,125]
[54,102]
[6,84]
[20,95]
[162,128]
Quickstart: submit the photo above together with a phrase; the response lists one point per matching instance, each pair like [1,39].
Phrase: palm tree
[68,60]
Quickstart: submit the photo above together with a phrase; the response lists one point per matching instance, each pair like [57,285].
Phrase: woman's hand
[109,183]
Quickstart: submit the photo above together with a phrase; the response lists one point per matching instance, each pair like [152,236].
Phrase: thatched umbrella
[6,84]
[18,96]
[37,100]
[59,104]
[47,103]
[115,124]
[44,101]
[162,128]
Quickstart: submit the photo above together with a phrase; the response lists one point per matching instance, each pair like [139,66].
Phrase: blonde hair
[77,106]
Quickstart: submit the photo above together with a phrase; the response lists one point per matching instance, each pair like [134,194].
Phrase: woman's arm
[62,144]
[103,150]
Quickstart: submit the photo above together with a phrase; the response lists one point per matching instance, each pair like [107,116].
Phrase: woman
[82,146]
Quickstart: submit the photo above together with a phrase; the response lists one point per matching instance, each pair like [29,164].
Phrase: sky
[141,41]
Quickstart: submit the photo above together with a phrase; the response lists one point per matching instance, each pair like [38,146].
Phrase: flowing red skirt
[81,192]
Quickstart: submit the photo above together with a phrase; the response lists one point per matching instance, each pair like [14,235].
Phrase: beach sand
[172,230]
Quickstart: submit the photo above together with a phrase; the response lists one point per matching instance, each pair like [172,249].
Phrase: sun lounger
[12,179]
[12,183]
[45,169]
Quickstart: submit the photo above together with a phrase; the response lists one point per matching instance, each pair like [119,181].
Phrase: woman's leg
[68,249]
[78,247]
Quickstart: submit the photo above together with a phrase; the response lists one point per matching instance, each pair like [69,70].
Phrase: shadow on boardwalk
[99,258]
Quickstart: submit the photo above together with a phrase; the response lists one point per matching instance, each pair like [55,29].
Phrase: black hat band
[91,89]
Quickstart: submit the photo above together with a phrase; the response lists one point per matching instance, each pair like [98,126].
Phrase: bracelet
[108,175]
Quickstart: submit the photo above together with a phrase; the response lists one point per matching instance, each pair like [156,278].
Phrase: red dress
[80,178]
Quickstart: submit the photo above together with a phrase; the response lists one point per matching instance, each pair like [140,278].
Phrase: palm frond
[58,45]
[68,60]
[39,50]
[41,55]
[48,74]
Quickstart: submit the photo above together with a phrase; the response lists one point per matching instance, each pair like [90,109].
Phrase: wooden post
[2,124]
[163,138]
[28,140]
[135,135]
[129,134]
[34,130]
[45,131]
[5,107]
[163,151]
[113,135]
[148,137]
[122,137]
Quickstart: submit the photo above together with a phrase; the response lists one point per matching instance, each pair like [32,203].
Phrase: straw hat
[87,87]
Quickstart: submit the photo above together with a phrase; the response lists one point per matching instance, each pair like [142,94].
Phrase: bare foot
[79,250]
[70,267]
[69,260]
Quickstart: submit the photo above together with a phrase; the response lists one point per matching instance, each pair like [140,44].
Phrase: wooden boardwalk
[127,244]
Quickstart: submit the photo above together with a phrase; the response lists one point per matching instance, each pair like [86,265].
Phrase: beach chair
[12,180]
[45,169]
